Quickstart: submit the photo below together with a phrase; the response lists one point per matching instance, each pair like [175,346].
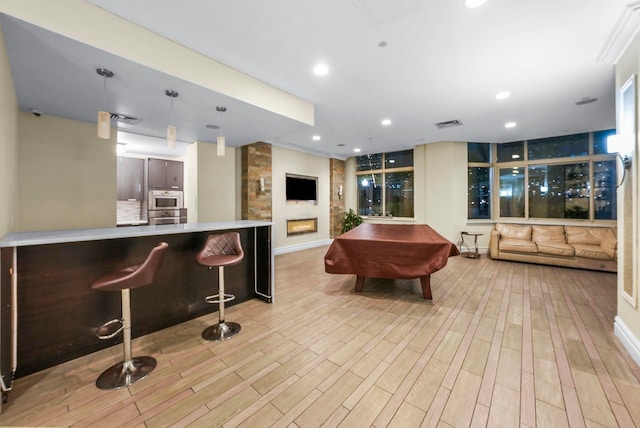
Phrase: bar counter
[48,314]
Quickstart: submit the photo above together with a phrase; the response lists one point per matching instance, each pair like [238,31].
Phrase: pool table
[397,251]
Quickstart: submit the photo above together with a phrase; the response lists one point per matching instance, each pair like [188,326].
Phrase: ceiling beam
[96,27]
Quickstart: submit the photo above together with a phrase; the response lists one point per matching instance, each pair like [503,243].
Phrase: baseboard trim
[629,341]
[300,247]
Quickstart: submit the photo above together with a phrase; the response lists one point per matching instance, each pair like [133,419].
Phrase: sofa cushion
[609,243]
[591,252]
[548,234]
[517,245]
[556,249]
[585,234]
[515,231]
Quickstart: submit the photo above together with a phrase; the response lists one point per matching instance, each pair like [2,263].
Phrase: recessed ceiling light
[357,150]
[386,122]
[321,69]
[474,3]
[510,125]
[316,138]
[502,95]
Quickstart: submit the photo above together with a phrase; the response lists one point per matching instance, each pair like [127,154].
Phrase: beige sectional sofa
[586,247]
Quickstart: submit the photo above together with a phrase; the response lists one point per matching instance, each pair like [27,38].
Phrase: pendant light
[220,140]
[104,117]
[171,129]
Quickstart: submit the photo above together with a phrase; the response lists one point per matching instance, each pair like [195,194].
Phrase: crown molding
[625,30]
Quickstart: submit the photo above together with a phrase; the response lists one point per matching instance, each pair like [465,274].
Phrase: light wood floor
[502,344]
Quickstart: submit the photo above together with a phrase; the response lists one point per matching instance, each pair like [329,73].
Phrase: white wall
[214,193]
[288,161]
[191,183]
[8,144]
[66,175]
[627,324]
[445,187]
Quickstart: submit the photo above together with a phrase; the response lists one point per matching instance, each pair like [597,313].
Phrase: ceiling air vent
[586,100]
[130,120]
[448,124]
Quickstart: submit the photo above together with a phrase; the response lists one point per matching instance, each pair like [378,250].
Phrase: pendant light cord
[104,91]
[106,74]
[171,112]
[220,110]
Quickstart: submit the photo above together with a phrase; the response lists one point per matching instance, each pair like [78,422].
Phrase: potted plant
[351,220]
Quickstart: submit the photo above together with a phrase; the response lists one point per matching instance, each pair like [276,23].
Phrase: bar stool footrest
[215,298]
[106,326]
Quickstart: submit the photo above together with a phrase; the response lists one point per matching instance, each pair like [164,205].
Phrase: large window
[510,152]
[558,147]
[385,184]
[567,177]
[479,197]
[511,192]
[559,191]
[604,190]
[479,192]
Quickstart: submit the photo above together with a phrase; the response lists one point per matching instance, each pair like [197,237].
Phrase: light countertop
[20,239]
[133,223]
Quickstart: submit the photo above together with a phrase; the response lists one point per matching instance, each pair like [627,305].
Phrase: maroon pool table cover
[398,251]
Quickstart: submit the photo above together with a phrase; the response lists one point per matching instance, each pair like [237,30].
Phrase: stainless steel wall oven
[166,207]
[162,199]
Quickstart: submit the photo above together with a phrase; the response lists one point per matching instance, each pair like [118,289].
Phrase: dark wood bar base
[58,314]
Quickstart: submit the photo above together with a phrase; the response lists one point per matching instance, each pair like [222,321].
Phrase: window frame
[384,171]
[491,169]
[591,159]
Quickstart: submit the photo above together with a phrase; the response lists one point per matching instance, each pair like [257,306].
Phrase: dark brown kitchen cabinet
[165,174]
[130,179]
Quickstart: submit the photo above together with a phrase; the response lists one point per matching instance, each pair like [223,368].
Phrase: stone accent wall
[336,202]
[256,163]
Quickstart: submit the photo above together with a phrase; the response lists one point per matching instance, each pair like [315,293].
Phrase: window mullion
[384,193]
[592,200]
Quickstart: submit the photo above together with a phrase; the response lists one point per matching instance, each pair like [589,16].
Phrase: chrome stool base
[221,331]
[119,376]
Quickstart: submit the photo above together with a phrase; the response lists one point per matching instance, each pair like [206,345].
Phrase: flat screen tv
[301,188]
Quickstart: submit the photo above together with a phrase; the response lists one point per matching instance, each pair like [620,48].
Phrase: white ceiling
[441,62]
